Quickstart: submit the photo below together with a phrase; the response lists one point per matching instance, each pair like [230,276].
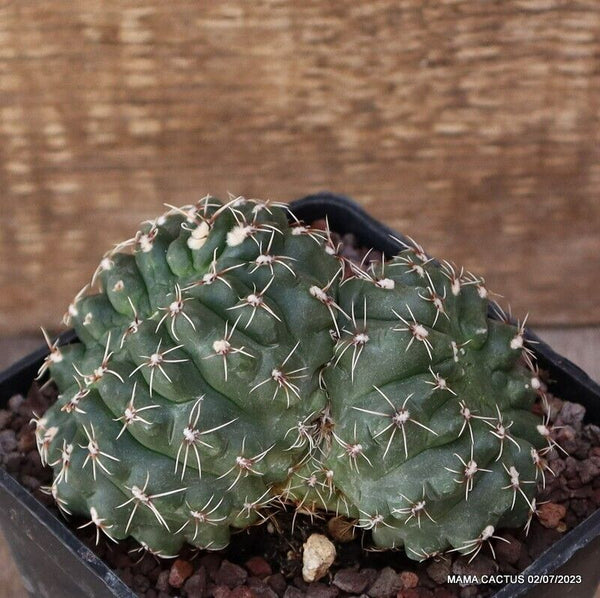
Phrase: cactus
[228,365]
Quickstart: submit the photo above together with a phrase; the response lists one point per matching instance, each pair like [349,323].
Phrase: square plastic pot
[54,563]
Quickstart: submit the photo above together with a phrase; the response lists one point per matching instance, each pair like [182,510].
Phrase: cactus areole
[230,361]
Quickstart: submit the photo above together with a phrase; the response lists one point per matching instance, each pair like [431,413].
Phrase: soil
[265,561]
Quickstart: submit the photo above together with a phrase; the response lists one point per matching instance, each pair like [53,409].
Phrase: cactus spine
[227,365]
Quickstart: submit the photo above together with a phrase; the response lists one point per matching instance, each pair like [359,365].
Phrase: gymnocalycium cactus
[232,361]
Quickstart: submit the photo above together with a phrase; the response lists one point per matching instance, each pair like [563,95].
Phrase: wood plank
[473,127]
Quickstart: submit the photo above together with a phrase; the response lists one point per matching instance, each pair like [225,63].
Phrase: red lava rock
[30,482]
[439,570]
[571,414]
[162,583]
[221,592]
[231,575]
[126,576]
[550,514]
[300,583]
[320,224]
[387,584]
[241,592]
[141,584]
[443,593]
[480,565]
[565,437]
[588,470]
[321,590]
[15,402]
[13,461]
[211,562]
[8,441]
[408,593]
[277,583]
[409,579]
[508,551]
[5,417]
[26,441]
[146,564]
[540,539]
[180,571]
[258,567]
[195,586]
[292,592]
[122,560]
[351,581]
[260,588]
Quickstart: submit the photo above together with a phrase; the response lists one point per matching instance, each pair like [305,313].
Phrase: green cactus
[228,365]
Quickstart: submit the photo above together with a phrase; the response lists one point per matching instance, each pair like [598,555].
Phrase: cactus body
[224,366]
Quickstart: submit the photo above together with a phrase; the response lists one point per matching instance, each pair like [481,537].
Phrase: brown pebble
[292,592]
[195,586]
[508,551]
[550,514]
[146,565]
[351,581]
[126,576]
[180,571]
[122,560]
[480,565]
[408,593]
[278,583]
[162,583]
[26,441]
[300,583]
[13,461]
[588,470]
[316,589]
[15,402]
[439,570]
[18,422]
[571,414]
[5,417]
[30,482]
[260,588]
[8,441]
[231,575]
[320,224]
[211,562]
[141,584]
[387,584]
[258,567]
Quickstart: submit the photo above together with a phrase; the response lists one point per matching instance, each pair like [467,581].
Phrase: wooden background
[473,126]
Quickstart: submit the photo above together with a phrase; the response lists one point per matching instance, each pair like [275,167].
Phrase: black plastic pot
[54,563]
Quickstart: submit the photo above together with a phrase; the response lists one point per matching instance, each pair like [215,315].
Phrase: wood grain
[473,126]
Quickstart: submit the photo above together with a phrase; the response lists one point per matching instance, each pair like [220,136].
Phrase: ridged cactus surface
[230,363]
